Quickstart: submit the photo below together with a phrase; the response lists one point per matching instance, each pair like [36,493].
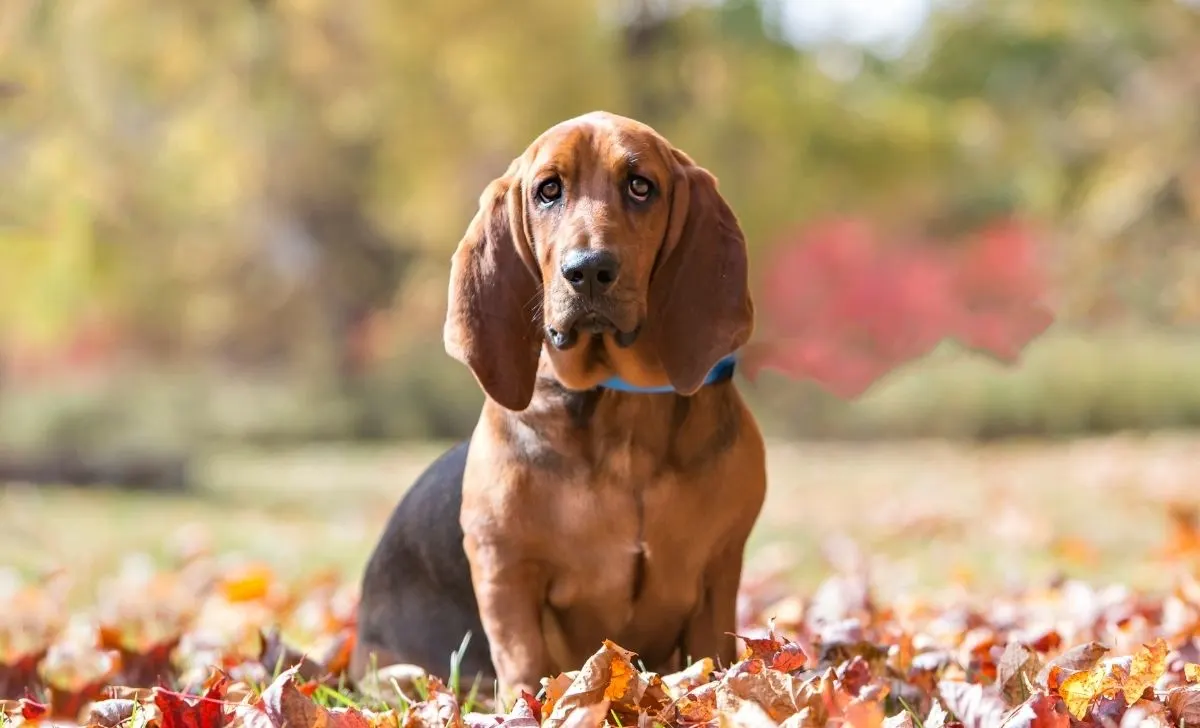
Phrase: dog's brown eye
[640,188]
[549,191]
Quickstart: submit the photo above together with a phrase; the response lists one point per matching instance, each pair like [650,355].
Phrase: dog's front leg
[511,593]
[708,632]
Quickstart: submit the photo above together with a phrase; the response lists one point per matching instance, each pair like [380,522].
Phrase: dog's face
[611,248]
[597,217]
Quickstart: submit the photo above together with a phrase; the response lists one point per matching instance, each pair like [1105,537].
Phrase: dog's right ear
[491,322]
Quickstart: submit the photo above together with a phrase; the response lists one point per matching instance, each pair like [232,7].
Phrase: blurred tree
[256,184]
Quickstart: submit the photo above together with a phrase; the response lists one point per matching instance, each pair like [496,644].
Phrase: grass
[928,514]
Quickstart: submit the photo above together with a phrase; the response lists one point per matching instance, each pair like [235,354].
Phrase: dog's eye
[640,188]
[549,191]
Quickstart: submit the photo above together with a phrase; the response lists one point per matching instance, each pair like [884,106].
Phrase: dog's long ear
[492,324]
[699,292]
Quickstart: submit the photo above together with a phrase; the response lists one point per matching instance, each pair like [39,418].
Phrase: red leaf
[206,711]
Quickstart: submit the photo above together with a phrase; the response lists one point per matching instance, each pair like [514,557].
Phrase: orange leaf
[622,674]
[249,583]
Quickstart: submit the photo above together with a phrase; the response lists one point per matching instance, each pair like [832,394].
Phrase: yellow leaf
[1079,690]
[1149,663]
[1191,672]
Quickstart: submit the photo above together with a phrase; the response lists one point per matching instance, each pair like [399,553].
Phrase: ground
[915,578]
[927,513]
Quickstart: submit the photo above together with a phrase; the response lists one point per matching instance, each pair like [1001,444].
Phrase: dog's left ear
[699,290]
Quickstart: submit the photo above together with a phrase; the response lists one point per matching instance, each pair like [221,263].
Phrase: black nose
[590,271]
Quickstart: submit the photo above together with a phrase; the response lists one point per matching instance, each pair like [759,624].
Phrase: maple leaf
[1040,710]
[206,711]
[1149,663]
[32,710]
[776,652]
[1080,657]
[1083,687]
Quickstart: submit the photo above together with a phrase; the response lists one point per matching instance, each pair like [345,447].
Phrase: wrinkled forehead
[596,143]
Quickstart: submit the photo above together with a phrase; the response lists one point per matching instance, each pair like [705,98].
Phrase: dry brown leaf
[608,676]
[587,716]
[1016,672]
[284,704]
[697,706]
[778,693]
[1184,704]
[112,712]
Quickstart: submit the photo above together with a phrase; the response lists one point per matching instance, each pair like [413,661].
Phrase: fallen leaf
[249,582]
[112,712]
[608,676]
[693,676]
[937,716]
[903,719]
[1016,672]
[1184,704]
[974,705]
[1191,672]
[1040,710]
[180,711]
[1081,688]
[1149,663]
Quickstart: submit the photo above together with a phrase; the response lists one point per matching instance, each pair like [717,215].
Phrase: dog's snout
[590,271]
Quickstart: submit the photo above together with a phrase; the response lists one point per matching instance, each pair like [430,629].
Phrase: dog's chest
[630,569]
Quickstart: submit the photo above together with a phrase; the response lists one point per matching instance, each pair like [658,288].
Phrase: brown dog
[615,473]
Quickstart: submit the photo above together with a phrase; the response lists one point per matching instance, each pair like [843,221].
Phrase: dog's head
[611,249]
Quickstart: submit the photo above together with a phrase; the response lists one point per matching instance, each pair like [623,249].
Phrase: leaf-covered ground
[199,639]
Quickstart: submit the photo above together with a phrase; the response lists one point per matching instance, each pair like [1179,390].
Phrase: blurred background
[225,231]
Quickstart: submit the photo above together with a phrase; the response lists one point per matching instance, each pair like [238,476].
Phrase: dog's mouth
[567,335]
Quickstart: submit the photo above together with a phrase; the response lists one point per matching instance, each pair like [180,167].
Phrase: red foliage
[842,308]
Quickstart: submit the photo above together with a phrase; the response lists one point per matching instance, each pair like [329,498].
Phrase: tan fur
[561,510]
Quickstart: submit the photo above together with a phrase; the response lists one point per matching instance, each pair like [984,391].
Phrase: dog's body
[587,512]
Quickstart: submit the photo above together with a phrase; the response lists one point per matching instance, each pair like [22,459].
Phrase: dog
[599,297]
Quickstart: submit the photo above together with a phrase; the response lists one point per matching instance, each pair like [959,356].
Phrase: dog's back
[416,592]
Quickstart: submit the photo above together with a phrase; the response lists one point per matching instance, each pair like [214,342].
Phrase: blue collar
[721,371]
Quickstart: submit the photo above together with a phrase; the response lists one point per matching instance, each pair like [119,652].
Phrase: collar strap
[722,371]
